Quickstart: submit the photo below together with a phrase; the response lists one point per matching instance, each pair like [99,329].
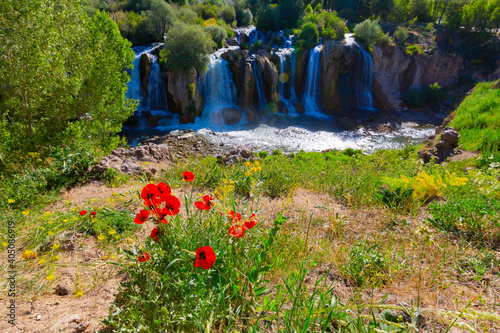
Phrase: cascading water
[286,83]
[217,88]
[251,33]
[259,84]
[157,92]
[310,98]
[356,86]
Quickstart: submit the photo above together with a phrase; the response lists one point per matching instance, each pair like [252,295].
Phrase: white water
[157,91]
[311,94]
[284,80]
[217,89]
[260,86]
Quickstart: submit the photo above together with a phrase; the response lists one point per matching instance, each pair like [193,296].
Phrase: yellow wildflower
[56,257]
[67,202]
[79,294]
[42,228]
[51,233]
[11,201]
[112,257]
[26,212]
[28,254]
[100,237]
[112,232]
[41,262]
[104,257]
[259,169]
[50,222]
[65,220]
[47,213]
[116,237]
[50,277]
[147,163]
[4,244]
[247,173]
[56,246]
[117,178]
[91,199]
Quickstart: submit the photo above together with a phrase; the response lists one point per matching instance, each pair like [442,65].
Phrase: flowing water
[313,77]
[260,85]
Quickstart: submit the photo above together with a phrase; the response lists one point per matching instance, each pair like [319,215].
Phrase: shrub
[186,47]
[256,46]
[414,49]
[309,35]
[309,9]
[228,14]
[218,34]
[401,35]
[245,18]
[229,33]
[419,97]
[187,15]
[369,32]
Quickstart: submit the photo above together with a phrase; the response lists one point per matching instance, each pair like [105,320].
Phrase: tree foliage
[159,18]
[59,68]
[187,47]
[369,32]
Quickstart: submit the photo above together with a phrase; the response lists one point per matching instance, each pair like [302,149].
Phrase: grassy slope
[478,119]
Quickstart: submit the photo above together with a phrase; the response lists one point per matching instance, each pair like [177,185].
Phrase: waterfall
[157,91]
[310,98]
[286,83]
[217,88]
[356,86]
[259,84]
[250,32]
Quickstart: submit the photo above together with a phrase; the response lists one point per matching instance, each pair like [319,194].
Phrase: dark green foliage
[284,15]
[262,154]
[218,34]
[256,46]
[419,97]
[244,17]
[414,49]
[369,32]
[228,14]
[395,198]
[159,18]
[187,47]
[309,35]
[329,25]
[401,35]
[364,264]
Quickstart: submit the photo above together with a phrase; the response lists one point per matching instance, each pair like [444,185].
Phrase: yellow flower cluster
[28,254]
[210,21]
[224,189]
[253,168]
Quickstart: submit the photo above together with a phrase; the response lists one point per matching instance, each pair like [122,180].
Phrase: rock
[269,75]
[347,123]
[330,69]
[249,89]
[231,116]
[282,107]
[153,121]
[238,155]
[245,152]
[126,160]
[144,69]
[299,107]
[63,289]
[450,137]
[183,95]
[232,41]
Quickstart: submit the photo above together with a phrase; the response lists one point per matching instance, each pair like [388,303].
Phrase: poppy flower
[188,176]
[141,217]
[83,212]
[236,217]
[144,257]
[161,213]
[151,195]
[251,222]
[205,257]
[154,235]
[237,231]
[93,214]
[164,189]
[206,204]
[172,206]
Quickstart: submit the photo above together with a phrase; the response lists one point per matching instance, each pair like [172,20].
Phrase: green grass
[478,119]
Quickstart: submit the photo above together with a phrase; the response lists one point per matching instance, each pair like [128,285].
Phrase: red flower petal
[154,235]
[172,206]
[83,212]
[205,257]
[164,189]
[151,195]
[252,221]
[201,205]
[92,214]
[144,257]
[141,217]
[237,231]
[188,176]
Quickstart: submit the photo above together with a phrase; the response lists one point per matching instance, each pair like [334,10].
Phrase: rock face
[183,95]
[144,70]
[301,72]
[395,72]
[269,75]
[330,69]
[127,160]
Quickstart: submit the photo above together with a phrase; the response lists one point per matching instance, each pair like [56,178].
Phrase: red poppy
[172,206]
[205,257]
[237,231]
[93,214]
[154,235]
[141,217]
[206,204]
[83,212]
[188,176]
[251,222]
[151,195]
[144,257]
[164,189]
[235,217]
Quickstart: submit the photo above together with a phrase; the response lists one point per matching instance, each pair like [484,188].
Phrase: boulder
[127,160]
[144,70]
[282,107]
[330,69]
[238,155]
[450,137]
[269,75]
[299,107]
[183,95]
[232,42]
[231,116]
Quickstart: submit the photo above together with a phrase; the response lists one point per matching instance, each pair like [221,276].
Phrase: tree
[60,69]
[159,18]
[228,14]
[186,47]
[218,34]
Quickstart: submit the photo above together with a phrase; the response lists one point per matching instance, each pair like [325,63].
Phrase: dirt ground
[100,281]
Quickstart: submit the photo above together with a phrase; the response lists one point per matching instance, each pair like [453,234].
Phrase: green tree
[228,14]
[309,35]
[160,17]
[186,47]
[218,34]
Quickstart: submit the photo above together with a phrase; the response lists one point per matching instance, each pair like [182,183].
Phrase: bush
[256,46]
[187,15]
[419,97]
[245,18]
[309,35]
[229,33]
[228,14]
[218,34]
[369,32]
[401,35]
[187,47]
[414,49]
